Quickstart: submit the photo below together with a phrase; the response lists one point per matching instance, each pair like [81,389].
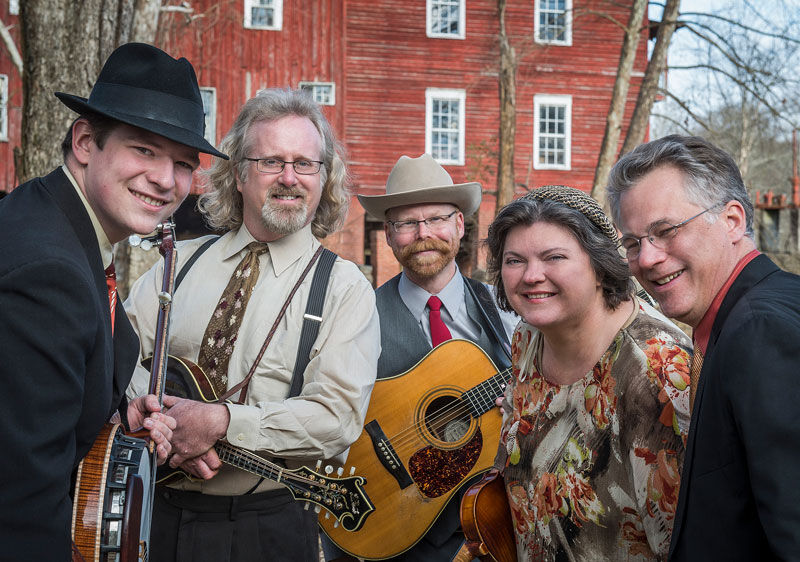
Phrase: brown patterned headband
[578,200]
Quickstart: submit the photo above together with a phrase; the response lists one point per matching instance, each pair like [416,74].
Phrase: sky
[685,48]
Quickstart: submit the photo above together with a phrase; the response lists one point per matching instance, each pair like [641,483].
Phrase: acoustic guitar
[428,431]
[342,497]
[486,520]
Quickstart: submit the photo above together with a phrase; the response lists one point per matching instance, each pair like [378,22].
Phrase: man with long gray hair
[687,229]
[237,315]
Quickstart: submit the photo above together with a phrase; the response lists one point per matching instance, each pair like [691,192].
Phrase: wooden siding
[382,61]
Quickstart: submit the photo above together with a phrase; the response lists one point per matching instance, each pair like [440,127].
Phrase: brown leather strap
[243,384]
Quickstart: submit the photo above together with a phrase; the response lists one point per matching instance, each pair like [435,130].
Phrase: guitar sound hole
[447,419]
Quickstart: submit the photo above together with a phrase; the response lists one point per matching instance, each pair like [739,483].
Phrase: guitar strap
[493,318]
[190,262]
[311,319]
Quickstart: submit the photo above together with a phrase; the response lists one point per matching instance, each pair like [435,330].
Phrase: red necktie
[439,331]
[111,283]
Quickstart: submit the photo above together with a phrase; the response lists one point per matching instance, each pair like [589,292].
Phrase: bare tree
[741,79]
[64,44]
[508,113]
[619,96]
[637,128]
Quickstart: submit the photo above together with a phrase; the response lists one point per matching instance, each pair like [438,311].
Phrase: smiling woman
[598,404]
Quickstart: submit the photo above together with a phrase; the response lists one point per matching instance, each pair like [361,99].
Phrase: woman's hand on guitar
[199,427]
[145,411]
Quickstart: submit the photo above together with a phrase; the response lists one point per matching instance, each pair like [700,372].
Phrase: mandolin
[342,497]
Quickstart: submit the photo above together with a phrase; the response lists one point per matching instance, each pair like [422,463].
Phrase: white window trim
[248,16]
[331,84]
[567,42]
[13,7]
[551,99]
[3,107]
[211,128]
[462,18]
[451,94]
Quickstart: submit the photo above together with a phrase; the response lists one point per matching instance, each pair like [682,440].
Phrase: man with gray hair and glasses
[687,230]
[239,313]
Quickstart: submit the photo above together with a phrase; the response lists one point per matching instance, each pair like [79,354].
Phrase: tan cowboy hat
[422,180]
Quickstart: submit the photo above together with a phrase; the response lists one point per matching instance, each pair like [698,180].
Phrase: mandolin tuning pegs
[340,471]
[317,509]
[327,515]
[306,506]
[328,469]
[335,523]
[352,470]
[318,465]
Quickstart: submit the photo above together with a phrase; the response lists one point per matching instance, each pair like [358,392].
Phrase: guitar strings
[458,409]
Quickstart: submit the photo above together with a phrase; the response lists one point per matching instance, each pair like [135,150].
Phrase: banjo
[115,482]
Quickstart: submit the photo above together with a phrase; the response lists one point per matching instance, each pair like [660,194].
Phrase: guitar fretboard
[481,398]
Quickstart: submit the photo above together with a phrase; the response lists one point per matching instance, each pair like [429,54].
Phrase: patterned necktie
[439,331]
[111,284]
[694,375]
[223,328]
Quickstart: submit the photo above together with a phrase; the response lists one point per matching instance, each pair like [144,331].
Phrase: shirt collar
[283,252]
[702,333]
[106,248]
[416,298]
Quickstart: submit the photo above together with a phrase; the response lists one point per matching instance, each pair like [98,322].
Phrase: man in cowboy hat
[430,301]
[235,313]
[67,351]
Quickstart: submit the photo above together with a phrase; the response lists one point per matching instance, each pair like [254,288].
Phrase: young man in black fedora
[67,351]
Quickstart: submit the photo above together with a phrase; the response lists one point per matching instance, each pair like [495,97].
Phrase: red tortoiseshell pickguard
[437,471]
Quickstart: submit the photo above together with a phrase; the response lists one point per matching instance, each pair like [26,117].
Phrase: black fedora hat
[143,86]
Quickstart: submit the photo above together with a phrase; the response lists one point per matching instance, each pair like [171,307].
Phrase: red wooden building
[406,78]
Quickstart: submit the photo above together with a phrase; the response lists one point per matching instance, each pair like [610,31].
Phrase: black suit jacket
[740,488]
[61,373]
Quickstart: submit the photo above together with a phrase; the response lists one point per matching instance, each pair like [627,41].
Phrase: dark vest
[403,343]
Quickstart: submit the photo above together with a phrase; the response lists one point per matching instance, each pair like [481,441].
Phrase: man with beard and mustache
[424,223]
[284,187]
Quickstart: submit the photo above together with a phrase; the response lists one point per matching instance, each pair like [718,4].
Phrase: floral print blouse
[593,468]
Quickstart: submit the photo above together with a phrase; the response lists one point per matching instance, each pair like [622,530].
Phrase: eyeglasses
[433,223]
[659,235]
[276,165]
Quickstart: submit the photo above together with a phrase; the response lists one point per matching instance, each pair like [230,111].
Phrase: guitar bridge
[387,455]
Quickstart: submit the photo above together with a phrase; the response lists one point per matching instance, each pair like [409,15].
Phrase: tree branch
[8,41]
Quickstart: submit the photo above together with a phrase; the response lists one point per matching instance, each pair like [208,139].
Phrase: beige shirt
[106,249]
[329,413]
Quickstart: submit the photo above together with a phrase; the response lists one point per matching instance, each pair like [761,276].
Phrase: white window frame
[248,15]
[3,107]
[460,96]
[462,20]
[567,41]
[210,115]
[550,100]
[316,87]
[13,7]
